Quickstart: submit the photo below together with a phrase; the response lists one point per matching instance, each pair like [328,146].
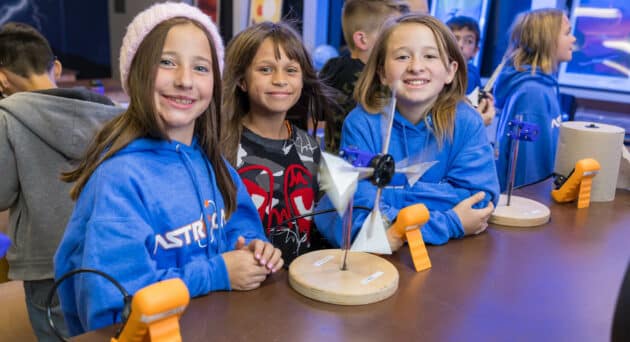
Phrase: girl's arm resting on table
[122,252]
[442,225]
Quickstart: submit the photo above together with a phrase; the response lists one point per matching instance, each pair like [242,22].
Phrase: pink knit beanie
[148,19]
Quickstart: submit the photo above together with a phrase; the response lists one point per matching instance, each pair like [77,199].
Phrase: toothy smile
[180,100]
[416,82]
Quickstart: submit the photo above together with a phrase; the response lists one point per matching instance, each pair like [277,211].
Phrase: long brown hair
[373,95]
[315,100]
[534,39]
[140,119]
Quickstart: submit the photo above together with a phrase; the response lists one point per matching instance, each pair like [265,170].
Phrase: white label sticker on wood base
[323,261]
[371,277]
[367,279]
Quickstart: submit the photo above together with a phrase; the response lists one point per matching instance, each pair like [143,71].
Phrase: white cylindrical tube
[604,143]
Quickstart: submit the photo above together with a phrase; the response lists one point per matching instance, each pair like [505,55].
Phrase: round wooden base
[367,279]
[522,212]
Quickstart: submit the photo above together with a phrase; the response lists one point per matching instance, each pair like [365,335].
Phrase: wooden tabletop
[557,282]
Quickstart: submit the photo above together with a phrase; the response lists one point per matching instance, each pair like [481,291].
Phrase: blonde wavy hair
[373,95]
[534,40]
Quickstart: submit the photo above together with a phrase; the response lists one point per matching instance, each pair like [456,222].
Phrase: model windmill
[514,211]
[350,275]
[517,211]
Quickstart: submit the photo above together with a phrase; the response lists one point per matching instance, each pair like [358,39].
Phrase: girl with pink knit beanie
[155,198]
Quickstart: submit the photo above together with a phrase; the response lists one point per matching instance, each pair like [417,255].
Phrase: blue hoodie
[534,97]
[142,218]
[464,167]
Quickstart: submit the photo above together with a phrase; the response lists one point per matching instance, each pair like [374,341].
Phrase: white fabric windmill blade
[338,179]
[419,162]
[372,237]
[414,168]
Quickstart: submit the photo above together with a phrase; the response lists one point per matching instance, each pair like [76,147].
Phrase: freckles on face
[184,81]
[414,65]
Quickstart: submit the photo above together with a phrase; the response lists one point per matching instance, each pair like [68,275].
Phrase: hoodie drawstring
[219,213]
[189,167]
[405,144]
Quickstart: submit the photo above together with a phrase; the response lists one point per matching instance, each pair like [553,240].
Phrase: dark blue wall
[78,30]
[500,17]
[335,33]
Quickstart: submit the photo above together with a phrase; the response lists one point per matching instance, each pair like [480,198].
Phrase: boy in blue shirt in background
[467,34]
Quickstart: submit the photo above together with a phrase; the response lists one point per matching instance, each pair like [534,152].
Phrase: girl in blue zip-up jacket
[540,41]
[418,56]
[155,199]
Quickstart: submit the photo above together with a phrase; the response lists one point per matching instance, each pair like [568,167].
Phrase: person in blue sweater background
[156,200]
[419,56]
[467,34]
[539,41]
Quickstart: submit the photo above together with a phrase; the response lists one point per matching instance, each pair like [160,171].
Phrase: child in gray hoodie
[43,129]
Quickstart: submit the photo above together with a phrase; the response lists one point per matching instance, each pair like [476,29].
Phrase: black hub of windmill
[384,169]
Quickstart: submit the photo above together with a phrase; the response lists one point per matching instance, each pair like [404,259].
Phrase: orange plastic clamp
[578,186]
[407,227]
[155,313]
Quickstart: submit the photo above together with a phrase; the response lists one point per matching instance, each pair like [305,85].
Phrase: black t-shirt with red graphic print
[281,178]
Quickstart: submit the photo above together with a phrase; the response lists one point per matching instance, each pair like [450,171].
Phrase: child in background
[43,130]
[419,56]
[361,21]
[467,34]
[269,75]
[156,200]
[27,62]
[540,40]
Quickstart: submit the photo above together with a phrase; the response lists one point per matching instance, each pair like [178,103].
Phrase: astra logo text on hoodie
[194,232]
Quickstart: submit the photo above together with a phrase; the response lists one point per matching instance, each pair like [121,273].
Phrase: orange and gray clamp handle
[155,313]
[578,184]
[407,227]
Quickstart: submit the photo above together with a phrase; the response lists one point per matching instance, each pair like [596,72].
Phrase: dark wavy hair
[24,51]
[316,100]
